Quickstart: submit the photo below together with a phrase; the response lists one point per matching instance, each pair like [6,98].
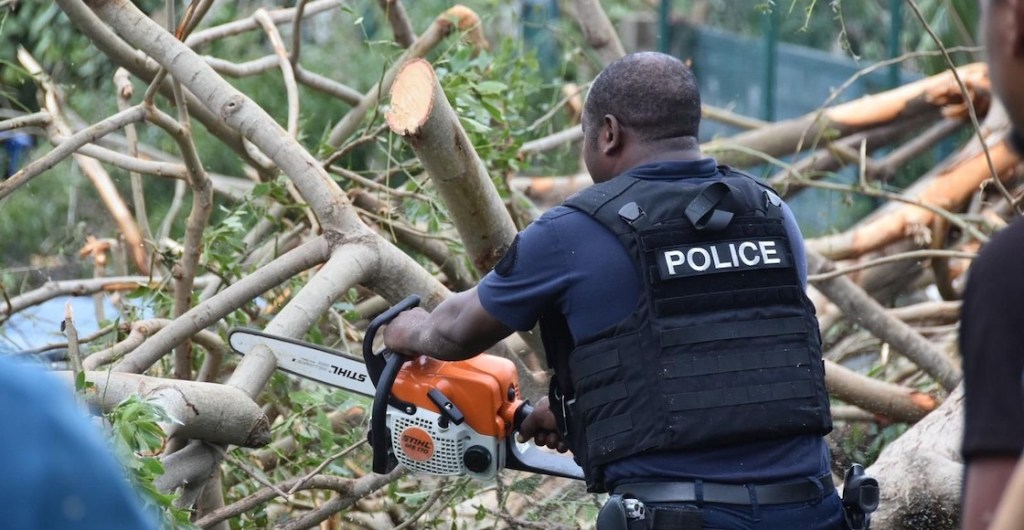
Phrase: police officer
[991,328]
[688,379]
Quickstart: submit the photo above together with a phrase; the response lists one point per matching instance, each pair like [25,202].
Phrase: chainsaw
[446,418]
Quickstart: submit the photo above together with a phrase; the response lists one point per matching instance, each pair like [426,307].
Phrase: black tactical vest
[723,345]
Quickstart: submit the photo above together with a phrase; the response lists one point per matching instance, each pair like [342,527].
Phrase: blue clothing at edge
[569,261]
[57,471]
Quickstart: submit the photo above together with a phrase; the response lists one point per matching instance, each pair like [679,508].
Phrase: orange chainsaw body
[484,388]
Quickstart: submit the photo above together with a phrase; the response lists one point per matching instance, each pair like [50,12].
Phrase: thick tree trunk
[892,402]
[920,473]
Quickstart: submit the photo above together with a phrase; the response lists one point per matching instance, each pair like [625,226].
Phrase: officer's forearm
[458,328]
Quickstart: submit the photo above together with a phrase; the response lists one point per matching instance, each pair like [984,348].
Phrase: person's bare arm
[458,328]
[986,478]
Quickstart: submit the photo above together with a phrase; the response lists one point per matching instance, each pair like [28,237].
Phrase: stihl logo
[355,376]
[417,444]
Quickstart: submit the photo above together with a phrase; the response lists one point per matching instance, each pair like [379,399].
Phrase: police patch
[729,256]
[507,263]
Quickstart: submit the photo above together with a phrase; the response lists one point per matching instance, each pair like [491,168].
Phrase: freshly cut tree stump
[421,113]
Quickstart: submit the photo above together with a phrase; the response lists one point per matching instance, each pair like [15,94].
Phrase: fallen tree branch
[51,290]
[935,95]
[141,66]
[598,30]
[971,110]
[67,147]
[205,411]
[457,17]
[401,27]
[947,188]
[359,489]
[287,72]
[864,310]
[184,271]
[912,255]
[896,403]
[38,119]
[141,329]
[309,79]
[223,303]
[920,473]
[277,16]
[421,113]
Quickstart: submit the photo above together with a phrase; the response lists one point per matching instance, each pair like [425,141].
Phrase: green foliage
[49,216]
[495,112]
[861,443]
[45,32]
[138,439]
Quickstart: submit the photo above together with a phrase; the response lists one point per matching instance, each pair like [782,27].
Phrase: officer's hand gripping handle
[383,369]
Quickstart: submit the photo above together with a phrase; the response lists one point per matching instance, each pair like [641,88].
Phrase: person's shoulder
[731,172]
[559,212]
[25,379]
[1004,249]
[560,228]
[557,218]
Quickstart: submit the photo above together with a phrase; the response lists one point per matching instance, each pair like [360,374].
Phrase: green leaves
[138,439]
[81,385]
[497,97]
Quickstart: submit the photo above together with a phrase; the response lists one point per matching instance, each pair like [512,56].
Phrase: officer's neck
[668,149]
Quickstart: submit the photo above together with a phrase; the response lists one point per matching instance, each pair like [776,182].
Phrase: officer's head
[640,104]
[1002,28]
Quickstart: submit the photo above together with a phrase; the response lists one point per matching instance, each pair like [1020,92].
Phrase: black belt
[713,492]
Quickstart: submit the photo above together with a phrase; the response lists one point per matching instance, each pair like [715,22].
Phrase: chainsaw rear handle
[530,458]
[521,413]
[375,362]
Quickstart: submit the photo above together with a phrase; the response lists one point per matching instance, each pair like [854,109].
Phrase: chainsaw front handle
[383,368]
[375,362]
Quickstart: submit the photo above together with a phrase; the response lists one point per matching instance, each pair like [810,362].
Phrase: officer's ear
[610,138]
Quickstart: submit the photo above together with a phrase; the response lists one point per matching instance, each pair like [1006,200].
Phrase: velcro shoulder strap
[703,210]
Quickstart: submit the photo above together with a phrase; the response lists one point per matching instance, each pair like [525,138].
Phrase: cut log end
[468,22]
[412,97]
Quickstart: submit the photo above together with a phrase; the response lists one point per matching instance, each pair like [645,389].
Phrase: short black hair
[652,93]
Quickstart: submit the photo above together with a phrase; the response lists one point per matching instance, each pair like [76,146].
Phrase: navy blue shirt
[58,472]
[991,335]
[569,261]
